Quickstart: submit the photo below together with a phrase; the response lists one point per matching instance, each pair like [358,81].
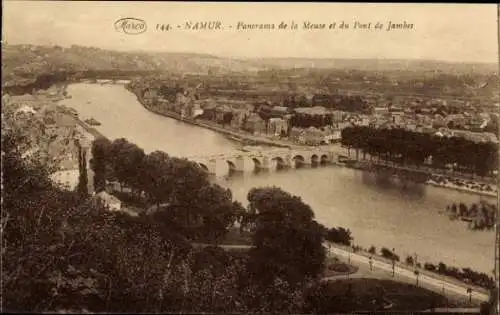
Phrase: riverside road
[401,274]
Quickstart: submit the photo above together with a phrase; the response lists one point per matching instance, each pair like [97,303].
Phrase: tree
[157,178]
[441,268]
[83,177]
[287,241]
[217,210]
[416,273]
[387,253]
[127,159]
[330,297]
[372,250]
[339,235]
[469,291]
[409,260]
[99,162]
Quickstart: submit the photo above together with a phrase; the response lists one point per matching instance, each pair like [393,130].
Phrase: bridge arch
[280,162]
[203,166]
[257,164]
[299,160]
[231,165]
[314,160]
[324,159]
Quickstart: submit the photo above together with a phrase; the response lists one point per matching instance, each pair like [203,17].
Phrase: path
[383,270]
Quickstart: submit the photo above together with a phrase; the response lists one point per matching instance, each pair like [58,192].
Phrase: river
[379,213]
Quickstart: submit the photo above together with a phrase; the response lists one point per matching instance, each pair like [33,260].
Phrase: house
[150,94]
[438,121]
[208,112]
[25,98]
[381,111]
[397,116]
[197,111]
[187,110]
[66,179]
[108,201]
[309,136]
[317,110]
[279,111]
[26,109]
[221,111]
[239,118]
[334,137]
[491,137]
[254,124]
[277,126]
[478,123]
[455,120]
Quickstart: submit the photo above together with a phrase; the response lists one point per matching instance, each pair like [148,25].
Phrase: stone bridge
[265,160]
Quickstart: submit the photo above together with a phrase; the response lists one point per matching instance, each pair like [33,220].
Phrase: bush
[387,253]
[372,250]
[339,235]
[429,266]
[409,260]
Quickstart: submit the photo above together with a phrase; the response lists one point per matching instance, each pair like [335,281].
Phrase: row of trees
[341,102]
[306,121]
[414,148]
[177,189]
[339,235]
[465,274]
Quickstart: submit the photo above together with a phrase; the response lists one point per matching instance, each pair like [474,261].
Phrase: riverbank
[243,138]
[452,186]
[437,180]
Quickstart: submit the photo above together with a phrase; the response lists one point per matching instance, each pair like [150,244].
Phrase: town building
[380,111]
[108,201]
[277,126]
[254,124]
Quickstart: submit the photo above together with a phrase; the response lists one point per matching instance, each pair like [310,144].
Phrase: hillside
[23,64]
[379,65]
[22,61]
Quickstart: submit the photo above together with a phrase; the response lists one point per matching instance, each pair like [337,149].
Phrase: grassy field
[335,267]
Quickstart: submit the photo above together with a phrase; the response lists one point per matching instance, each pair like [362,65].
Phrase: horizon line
[153,51]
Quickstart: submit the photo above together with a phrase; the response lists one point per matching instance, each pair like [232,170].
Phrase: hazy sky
[453,32]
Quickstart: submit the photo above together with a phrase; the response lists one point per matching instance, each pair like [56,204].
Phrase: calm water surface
[404,217]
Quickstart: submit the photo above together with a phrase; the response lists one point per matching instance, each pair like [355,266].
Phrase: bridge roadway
[267,159]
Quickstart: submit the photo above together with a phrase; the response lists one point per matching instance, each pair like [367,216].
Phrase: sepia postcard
[242,158]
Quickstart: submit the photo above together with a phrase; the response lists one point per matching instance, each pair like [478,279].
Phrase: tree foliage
[99,161]
[414,148]
[288,241]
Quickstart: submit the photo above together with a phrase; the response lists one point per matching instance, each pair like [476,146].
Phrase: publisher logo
[131,26]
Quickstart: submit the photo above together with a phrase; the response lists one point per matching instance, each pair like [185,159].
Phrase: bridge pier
[266,164]
[212,166]
[240,164]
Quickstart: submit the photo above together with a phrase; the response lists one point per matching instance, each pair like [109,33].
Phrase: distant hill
[21,63]
[378,65]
